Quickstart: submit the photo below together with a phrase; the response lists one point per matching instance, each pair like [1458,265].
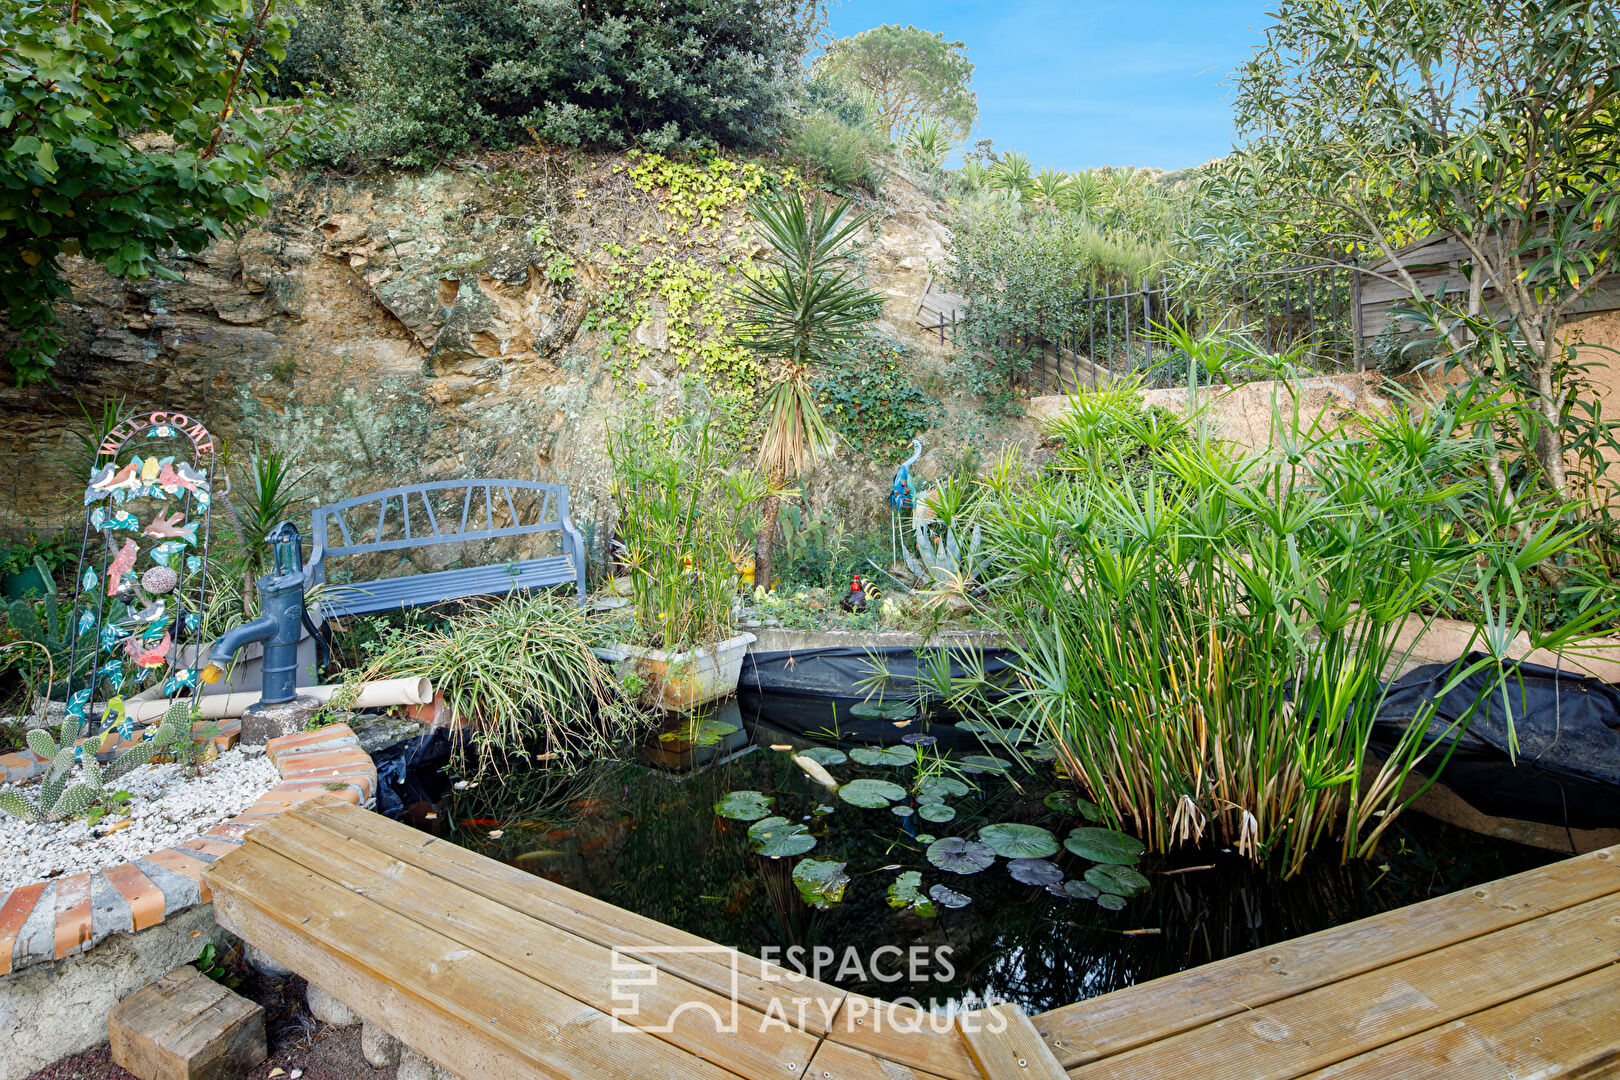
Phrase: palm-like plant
[1051,185]
[927,144]
[1013,174]
[269,493]
[1085,193]
[806,304]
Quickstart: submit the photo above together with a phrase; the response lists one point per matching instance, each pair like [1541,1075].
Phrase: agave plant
[1086,193]
[1051,186]
[973,174]
[1012,174]
[56,800]
[927,144]
[807,303]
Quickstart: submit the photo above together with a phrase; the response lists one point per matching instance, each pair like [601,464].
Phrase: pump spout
[225,649]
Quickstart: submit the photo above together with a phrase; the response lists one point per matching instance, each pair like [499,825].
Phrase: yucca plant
[266,498]
[1012,174]
[927,144]
[1051,186]
[1201,637]
[1085,194]
[805,305]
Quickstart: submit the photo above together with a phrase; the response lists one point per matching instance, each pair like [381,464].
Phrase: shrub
[842,156]
[432,77]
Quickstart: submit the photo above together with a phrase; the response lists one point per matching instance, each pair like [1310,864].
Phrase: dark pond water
[650,841]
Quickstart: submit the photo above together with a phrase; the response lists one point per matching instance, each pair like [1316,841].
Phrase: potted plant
[681,510]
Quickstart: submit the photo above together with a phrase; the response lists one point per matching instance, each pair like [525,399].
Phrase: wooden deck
[495,973]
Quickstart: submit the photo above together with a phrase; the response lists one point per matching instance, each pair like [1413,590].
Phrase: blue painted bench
[391,523]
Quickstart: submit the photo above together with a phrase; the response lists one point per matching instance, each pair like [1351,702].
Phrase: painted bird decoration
[168,526]
[856,599]
[122,563]
[109,478]
[149,656]
[174,478]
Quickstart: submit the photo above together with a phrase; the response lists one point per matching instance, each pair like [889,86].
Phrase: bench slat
[473,1015]
[581,969]
[389,594]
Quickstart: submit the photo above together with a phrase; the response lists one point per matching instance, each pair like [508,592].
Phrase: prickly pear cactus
[57,801]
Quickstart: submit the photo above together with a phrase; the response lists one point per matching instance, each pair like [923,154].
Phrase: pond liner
[810,691]
[1567,725]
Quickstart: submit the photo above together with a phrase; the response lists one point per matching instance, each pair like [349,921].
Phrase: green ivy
[870,400]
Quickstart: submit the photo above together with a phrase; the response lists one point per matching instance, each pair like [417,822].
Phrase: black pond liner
[810,691]
[1568,729]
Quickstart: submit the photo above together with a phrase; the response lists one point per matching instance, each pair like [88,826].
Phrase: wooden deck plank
[835,1061]
[1006,1046]
[1113,1023]
[1293,1036]
[1567,1030]
[690,1017]
[710,965]
[469,1013]
[903,1035]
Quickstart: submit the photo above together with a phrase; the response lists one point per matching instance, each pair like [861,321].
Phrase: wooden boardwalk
[495,973]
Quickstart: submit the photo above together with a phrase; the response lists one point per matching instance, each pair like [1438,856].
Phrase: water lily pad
[888,756]
[1014,841]
[1035,871]
[883,710]
[825,755]
[943,786]
[1004,736]
[701,732]
[938,813]
[926,838]
[960,856]
[1117,879]
[778,838]
[872,794]
[1111,902]
[918,738]
[978,763]
[1080,890]
[821,882]
[1067,802]
[1105,846]
[744,806]
[902,811]
[906,892]
[950,898]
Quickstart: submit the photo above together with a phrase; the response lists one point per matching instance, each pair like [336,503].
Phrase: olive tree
[1369,124]
[911,74]
[129,128]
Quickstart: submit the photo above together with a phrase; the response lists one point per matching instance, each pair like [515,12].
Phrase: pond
[651,841]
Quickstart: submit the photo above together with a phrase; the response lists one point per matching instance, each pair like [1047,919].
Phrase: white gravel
[165,809]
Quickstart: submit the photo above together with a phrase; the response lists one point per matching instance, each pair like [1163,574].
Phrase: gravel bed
[165,808]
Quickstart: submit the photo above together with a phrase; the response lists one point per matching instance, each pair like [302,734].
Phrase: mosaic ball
[159,580]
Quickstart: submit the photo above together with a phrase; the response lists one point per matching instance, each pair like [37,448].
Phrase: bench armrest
[575,543]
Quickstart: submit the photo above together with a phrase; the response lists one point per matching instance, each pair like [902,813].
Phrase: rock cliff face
[482,320]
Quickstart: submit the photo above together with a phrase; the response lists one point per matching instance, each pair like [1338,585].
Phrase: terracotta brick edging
[50,920]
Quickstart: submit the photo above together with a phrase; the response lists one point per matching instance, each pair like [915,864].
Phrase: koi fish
[149,656]
[122,564]
[165,526]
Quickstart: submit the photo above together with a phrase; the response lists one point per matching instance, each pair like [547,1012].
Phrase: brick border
[54,919]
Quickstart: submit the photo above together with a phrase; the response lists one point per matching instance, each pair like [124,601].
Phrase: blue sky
[1099,82]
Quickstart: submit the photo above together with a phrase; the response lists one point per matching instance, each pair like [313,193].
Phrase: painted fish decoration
[152,656]
[166,526]
[121,564]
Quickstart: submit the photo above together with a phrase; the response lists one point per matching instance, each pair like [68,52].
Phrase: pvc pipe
[372,695]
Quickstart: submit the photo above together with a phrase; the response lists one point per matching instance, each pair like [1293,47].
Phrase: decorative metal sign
[141,585]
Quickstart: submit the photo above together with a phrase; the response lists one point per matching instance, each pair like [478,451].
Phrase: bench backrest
[404,517]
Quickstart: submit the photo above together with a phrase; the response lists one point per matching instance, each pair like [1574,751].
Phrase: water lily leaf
[1043,752]
[906,892]
[902,811]
[926,838]
[977,763]
[938,813]
[1004,736]
[700,732]
[1080,890]
[1014,841]
[1035,871]
[883,710]
[821,882]
[1105,846]
[942,786]
[744,806]
[1110,902]
[949,897]
[1067,802]
[872,794]
[888,756]
[777,837]
[960,856]
[1117,879]
[825,755]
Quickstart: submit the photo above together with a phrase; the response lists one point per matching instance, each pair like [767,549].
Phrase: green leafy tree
[806,305]
[129,128]
[910,73]
[1373,123]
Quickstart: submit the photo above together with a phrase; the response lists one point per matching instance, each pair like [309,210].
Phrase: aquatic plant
[1201,638]
[521,674]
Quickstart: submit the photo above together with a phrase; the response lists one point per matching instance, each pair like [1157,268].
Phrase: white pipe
[372,695]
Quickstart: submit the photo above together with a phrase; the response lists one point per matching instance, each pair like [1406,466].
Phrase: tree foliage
[911,74]
[1373,123]
[433,77]
[129,128]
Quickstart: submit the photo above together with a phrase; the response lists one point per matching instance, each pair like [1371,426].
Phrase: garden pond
[920,880]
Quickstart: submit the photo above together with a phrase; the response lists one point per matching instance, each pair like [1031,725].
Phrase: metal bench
[395,525]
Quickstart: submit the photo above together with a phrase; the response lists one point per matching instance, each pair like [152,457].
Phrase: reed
[1202,632]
